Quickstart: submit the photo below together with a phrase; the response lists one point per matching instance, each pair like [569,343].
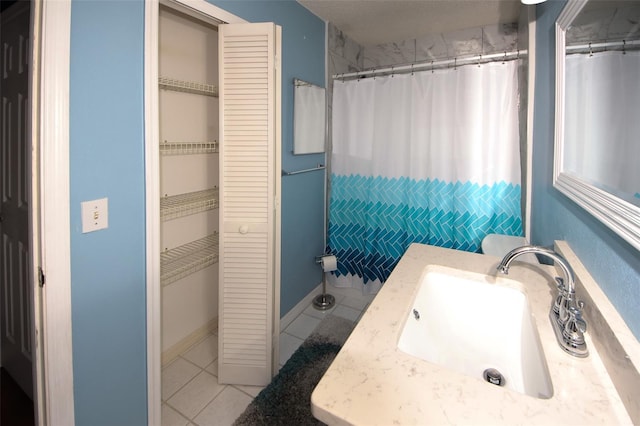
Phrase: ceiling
[371,22]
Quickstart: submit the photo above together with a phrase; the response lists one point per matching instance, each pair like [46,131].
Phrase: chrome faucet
[566,311]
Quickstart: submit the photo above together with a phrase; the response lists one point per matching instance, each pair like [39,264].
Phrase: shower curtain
[430,157]
[602,100]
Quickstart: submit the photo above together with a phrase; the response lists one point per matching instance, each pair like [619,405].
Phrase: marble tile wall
[620,21]
[345,55]
[455,44]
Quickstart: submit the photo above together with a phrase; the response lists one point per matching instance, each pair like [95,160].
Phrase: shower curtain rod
[583,48]
[427,65]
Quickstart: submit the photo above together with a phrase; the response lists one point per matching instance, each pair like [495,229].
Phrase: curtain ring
[392,74]
[432,67]
[590,50]
[624,45]
[455,64]
[479,60]
[411,69]
[505,57]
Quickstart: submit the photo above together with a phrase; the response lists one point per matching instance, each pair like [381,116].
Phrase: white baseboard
[212,326]
[299,308]
[184,344]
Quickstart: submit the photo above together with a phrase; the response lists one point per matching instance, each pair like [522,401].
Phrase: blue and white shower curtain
[429,157]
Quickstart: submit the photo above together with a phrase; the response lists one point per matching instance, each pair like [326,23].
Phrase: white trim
[277,273]
[54,219]
[203,10]
[37,331]
[571,9]
[210,13]
[620,216]
[531,93]
[152,195]
[196,336]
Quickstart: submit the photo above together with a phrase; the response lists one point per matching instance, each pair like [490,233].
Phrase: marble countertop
[371,382]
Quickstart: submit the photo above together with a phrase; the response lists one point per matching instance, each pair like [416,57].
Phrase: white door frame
[531,89]
[202,10]
[51,159]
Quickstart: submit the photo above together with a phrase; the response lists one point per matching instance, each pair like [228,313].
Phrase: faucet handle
[575,316]
[573,333]
[559,297]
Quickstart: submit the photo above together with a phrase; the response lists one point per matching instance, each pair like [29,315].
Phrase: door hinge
[40,276]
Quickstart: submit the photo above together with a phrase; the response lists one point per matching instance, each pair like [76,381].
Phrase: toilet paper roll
[329,263]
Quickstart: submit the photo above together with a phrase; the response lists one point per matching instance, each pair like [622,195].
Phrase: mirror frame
[620,216]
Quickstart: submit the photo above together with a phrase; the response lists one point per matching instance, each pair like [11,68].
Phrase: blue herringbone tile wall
[373,220]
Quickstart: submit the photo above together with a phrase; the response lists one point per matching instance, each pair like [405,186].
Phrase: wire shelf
[186,204]
[187,259]
[185,148]
[188,86]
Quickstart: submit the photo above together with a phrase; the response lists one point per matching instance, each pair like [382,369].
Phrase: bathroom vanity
[373,382]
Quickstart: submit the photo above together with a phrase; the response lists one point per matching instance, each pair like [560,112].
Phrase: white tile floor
[191,394]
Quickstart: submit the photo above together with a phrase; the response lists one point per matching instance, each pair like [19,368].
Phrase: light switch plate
[95,215]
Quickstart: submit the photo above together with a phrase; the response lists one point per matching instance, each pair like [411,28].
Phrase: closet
[219,149]
[189,186]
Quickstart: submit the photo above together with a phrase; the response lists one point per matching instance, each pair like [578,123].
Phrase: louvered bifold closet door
[249,202]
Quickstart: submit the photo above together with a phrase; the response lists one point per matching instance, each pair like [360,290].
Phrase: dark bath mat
[287,399]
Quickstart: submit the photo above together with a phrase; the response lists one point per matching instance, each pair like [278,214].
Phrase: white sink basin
[465,322]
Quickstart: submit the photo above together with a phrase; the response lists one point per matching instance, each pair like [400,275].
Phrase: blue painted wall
[613,263]
[303,56]
[107,160]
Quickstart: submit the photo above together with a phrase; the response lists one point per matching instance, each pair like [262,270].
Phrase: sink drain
[494,377]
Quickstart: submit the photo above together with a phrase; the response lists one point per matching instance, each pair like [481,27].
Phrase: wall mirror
[308,118]
[597,127]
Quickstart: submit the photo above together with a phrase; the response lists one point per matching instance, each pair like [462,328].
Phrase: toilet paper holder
[329,262]
[322,256]
[323,301]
